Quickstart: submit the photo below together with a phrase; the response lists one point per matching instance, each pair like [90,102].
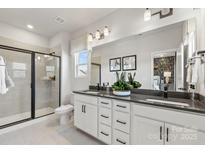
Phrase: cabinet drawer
[105,133]
[105,116]
[105,102]
[86,99]
[121,106]
[122,121]
[120,138]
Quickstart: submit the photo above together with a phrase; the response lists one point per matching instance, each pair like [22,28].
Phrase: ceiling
[44,22]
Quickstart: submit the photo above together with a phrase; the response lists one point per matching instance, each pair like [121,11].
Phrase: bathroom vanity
[134,120]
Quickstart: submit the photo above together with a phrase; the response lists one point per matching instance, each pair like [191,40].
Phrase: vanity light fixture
[162,13]
[90,37]
[99,35]
[106,31]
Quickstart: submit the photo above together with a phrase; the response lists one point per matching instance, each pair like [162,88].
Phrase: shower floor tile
[25,115]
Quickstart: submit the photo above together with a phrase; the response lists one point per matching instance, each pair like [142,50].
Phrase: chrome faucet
[98,86]
[165,92]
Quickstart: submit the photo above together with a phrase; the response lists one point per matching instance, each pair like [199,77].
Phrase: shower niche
[36,85]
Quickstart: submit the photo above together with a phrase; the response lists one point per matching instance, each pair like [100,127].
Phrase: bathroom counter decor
[121,87]
[122,93]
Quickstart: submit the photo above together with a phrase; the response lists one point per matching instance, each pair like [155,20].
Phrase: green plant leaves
[122,85]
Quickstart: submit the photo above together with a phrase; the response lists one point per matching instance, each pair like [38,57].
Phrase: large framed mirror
[162,56]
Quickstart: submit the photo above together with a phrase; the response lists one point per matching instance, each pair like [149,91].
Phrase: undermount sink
[91,92]
[166,102]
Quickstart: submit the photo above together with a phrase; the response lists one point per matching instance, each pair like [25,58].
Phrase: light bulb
[97,34]
[106,31]
[90,37]
[147,14]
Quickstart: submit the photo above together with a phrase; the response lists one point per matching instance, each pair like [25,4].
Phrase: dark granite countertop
[194,106]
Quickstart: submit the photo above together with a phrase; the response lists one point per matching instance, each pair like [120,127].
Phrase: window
[81,64]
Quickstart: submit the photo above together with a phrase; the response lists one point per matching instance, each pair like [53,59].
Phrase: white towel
[9,81]
[195,70]
[3,88]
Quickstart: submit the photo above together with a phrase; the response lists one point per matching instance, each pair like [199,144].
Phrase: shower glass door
[15,86]
[46,84]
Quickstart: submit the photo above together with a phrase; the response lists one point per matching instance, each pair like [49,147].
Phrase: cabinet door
[177,135]
[79,115]
[90,119]
[147,131]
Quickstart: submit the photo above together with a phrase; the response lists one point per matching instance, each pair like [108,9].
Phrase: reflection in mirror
[161,57]
[164,70]
[95,74]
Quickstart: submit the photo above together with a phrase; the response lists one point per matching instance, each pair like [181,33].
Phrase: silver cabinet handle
[167,135]
[104,103]
[121,106]
[122,122]
[104,133]
[84,108]
[104,116]
[120,141]
[160,133]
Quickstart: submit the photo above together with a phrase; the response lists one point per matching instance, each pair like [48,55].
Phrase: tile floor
[45,131]
[25,115]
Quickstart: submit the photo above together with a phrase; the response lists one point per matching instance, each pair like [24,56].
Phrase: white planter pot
[122,93]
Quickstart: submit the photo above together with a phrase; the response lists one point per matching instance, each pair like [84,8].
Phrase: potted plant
[131,81]
[121,87]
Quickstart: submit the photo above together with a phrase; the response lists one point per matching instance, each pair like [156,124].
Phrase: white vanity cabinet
[147,131]
[85,113]
[178,135]
[153,125]
[121,122]
[114,121]
[105,120]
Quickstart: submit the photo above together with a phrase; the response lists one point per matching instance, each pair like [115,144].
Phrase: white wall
[77,45]
[62,40]
[142,46]
[128,22]
[23,36]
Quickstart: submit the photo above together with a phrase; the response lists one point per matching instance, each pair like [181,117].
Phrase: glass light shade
[97,35]
[106,31]
[147,15]
[90,37]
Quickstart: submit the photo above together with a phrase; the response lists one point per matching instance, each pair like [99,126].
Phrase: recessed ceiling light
[30,26]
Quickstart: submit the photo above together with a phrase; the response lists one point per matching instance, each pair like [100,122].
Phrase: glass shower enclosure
[29,85]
